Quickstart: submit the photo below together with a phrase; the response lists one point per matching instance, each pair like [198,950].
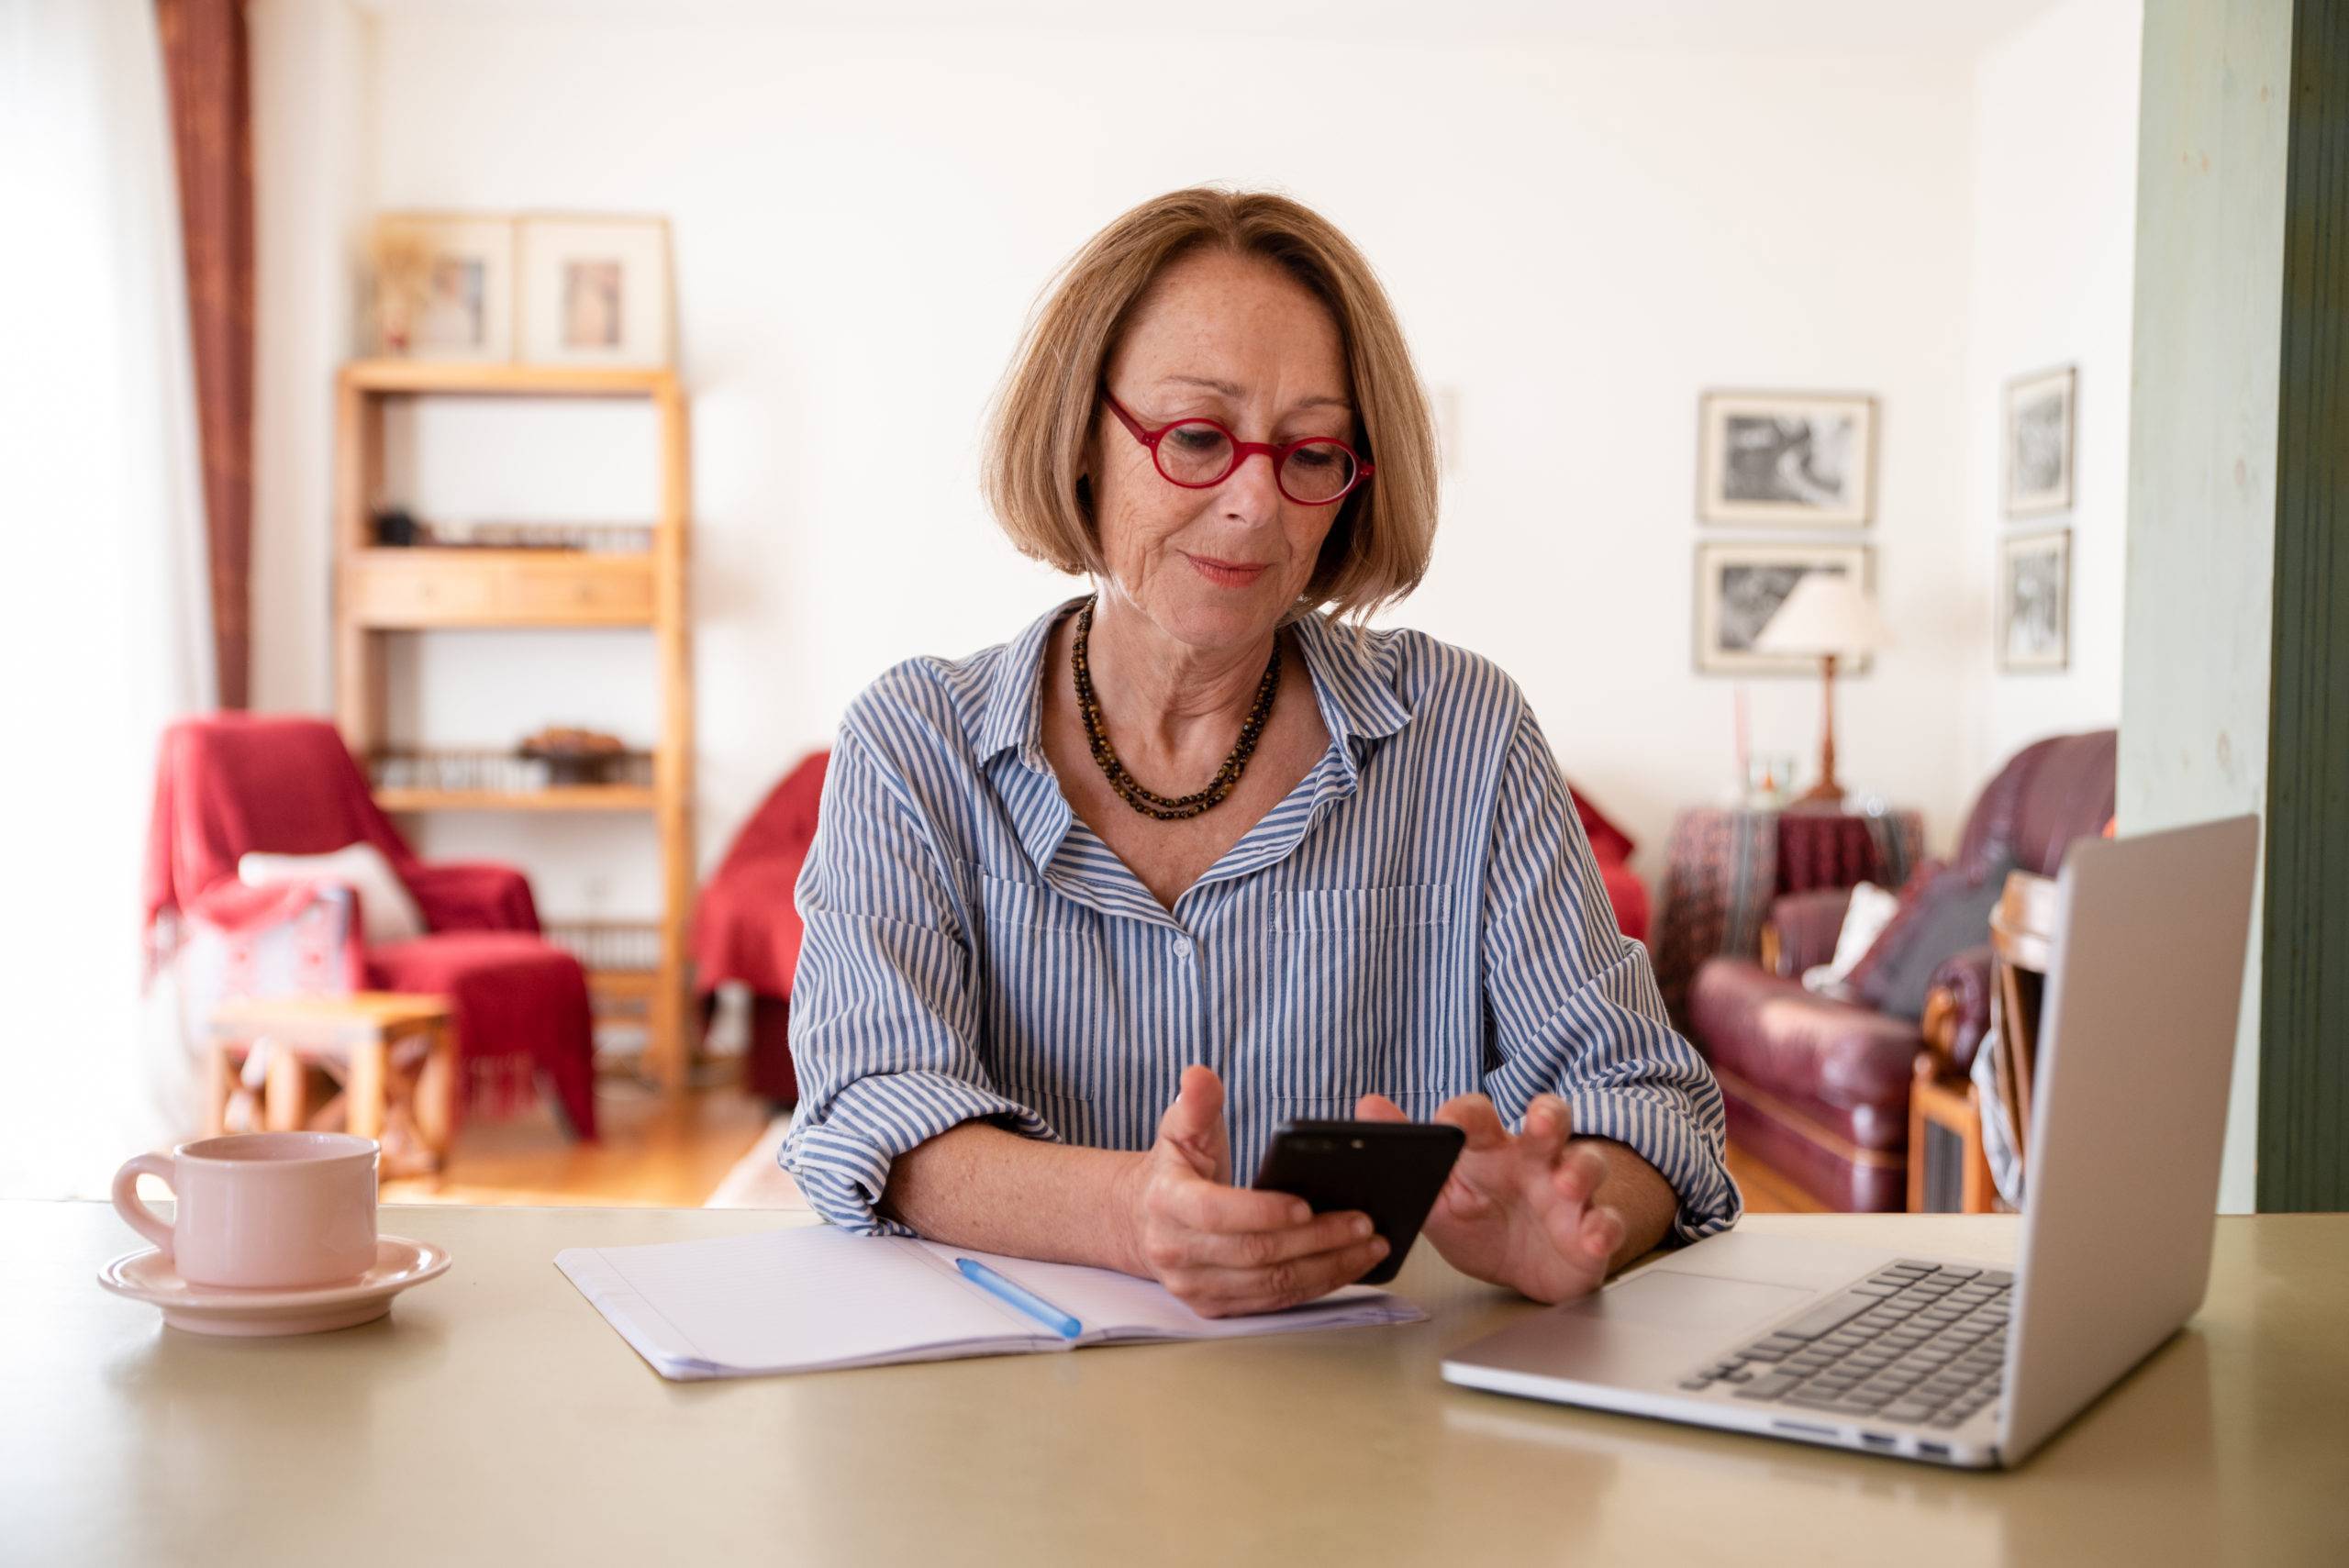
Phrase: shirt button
[1182,946]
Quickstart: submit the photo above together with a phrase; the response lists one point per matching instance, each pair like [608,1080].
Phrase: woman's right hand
[1224,1251]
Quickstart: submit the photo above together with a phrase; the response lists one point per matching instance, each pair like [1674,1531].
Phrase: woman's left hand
[1520,1211]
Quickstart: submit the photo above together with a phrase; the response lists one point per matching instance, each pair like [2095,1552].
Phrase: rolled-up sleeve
[883,1021]
[1573,1003]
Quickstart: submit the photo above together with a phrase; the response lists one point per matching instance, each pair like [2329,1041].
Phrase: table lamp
[1829,616]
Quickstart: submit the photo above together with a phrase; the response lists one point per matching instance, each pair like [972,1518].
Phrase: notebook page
[789,1300]
[1117,1305]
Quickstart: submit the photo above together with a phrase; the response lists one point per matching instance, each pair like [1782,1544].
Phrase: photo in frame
[1741,586]
[2038,445]
[595,291]
[2034,630]
[443,285]
[1800,459]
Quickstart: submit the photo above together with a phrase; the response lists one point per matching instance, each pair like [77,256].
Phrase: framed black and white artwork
[2038,426]
[1793,458]
[1741,586]
[2035,601]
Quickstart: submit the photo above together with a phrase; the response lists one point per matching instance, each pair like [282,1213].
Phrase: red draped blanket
[231,783]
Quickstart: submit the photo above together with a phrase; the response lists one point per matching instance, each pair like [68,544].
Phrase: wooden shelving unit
[380,590]
[563,798]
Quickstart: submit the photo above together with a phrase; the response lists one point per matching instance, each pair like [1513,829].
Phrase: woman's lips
[1225,574]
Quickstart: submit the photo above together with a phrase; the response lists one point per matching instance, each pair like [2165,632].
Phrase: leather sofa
[1816,1087]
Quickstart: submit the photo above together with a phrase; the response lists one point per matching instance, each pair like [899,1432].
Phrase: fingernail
[1360,1227]
[1378,1246]
[1300,1213]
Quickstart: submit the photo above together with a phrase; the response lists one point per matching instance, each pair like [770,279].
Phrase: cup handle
[134,1211]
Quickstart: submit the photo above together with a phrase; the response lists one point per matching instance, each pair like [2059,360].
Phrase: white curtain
[105,620]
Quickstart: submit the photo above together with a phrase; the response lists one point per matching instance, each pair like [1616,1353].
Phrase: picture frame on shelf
[2039,425]
[443,285]
[1785,458]
[1739,586]
[595,291]
[2034,630]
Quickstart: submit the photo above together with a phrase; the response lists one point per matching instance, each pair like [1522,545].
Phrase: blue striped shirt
[1420,917]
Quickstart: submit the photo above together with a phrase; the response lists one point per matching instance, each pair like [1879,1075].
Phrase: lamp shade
[1827,613]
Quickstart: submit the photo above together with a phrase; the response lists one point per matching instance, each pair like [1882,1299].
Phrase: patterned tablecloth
[1727,864]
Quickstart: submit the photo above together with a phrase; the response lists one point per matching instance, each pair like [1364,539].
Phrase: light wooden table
[495,1419]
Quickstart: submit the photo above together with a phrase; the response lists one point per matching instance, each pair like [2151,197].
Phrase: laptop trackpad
[1658,1299]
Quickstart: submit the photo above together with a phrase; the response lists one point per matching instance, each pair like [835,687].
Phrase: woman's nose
[1253,489]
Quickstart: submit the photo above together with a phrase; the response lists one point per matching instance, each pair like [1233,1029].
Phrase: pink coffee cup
[261,1210]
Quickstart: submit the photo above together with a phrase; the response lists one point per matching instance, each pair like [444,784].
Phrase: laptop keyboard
[1920,1343]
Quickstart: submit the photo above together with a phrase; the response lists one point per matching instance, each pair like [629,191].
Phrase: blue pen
[1035,1306]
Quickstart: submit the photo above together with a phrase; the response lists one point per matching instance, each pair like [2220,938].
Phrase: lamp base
[1821,796]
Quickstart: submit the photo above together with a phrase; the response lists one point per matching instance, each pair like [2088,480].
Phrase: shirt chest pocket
[1368,986]
[1044,1007]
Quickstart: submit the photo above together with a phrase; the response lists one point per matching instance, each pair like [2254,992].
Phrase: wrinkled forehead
[1245,322]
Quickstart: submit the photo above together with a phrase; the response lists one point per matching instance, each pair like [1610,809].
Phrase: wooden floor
[663,1154]
[1767,1192]
[653,1152]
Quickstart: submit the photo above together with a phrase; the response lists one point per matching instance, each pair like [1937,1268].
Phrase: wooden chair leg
[436,1088]
[219,1082]
[289,1090]
[1981,1194]
[363,1089]
[1920,1080]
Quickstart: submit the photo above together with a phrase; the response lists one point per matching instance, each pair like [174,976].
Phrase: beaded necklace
[1227,777]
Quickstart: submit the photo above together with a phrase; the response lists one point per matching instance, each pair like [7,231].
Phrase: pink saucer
[146,1276]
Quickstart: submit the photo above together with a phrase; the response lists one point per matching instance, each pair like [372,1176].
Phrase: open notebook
[811,1298]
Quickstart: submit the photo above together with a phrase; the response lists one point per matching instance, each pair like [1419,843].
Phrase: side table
[393,1055]
[1726,865]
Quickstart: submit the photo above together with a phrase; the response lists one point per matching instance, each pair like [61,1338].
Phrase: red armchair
[232,783]
[746,923]
[1816,1087]
[1611,848]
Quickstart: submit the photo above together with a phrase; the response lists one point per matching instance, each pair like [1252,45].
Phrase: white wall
[2054,174]
[312,193]
[1579,237]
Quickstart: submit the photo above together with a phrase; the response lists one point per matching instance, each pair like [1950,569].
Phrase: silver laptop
[1943,1359]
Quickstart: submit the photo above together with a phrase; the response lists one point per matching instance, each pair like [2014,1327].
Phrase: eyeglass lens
[1198,454]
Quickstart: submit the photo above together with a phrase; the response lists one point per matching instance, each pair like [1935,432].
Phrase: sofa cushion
[387,911]
[1770,1031]
[1950,913]
[2049,792]
[1871,909]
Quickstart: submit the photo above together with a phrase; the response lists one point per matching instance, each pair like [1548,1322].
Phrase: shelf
[392,588]
[624,982]
[465,378]
[379,591]
[557,797]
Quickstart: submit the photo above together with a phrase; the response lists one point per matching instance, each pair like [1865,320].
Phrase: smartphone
[1392,1171]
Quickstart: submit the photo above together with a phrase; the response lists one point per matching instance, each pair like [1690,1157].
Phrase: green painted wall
[2304,990]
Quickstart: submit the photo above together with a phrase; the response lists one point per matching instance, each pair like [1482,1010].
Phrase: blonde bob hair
[1377,547]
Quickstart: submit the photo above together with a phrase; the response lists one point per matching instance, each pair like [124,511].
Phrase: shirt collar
[1014,717]
[1353,676]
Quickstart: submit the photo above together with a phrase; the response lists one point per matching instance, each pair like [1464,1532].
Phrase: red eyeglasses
[1198,454]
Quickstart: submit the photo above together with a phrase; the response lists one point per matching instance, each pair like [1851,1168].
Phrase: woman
[1091,913]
